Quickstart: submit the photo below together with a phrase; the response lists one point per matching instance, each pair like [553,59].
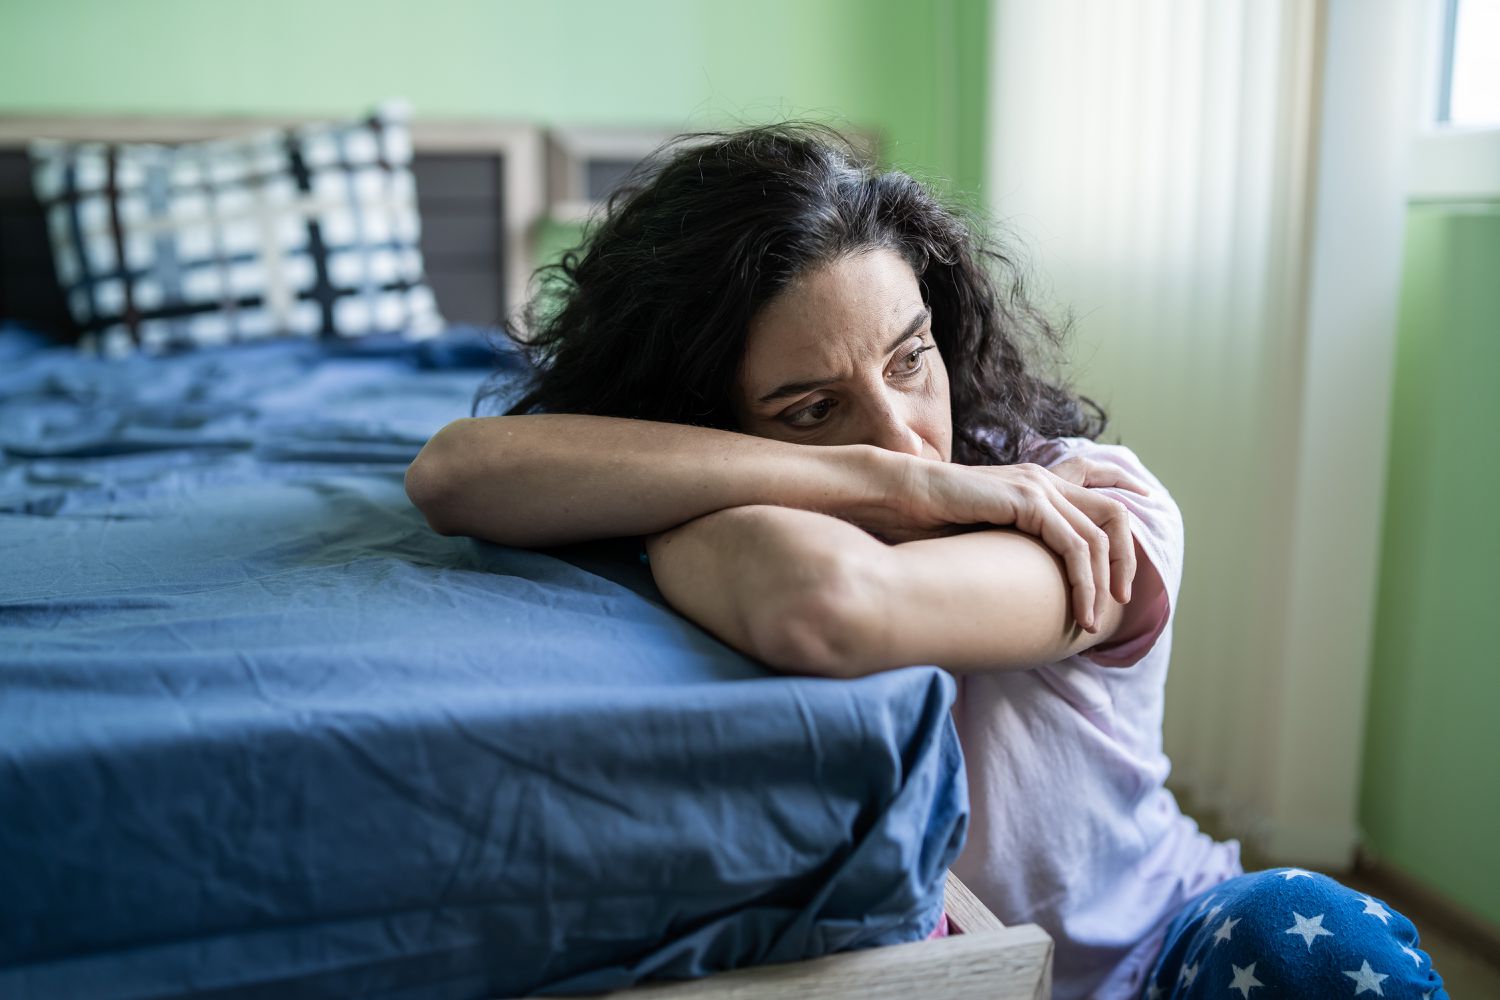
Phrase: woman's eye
[810,416]
[912,363]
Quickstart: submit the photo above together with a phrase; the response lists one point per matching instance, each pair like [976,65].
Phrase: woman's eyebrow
[808,385]
[912,327]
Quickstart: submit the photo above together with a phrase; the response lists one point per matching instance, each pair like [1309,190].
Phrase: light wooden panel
[985,961]
[965,912]
[1014,963]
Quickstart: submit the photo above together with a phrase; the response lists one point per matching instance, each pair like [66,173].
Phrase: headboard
[481,192]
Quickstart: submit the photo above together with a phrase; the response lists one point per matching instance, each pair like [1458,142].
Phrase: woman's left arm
[810,593]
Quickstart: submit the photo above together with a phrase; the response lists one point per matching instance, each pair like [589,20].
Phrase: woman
[799,380]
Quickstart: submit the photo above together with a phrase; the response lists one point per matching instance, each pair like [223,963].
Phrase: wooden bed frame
[482,194]
[982,960]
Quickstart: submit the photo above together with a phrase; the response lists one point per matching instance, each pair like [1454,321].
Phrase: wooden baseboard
[1426,907]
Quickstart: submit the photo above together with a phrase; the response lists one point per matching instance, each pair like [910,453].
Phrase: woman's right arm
[552,479]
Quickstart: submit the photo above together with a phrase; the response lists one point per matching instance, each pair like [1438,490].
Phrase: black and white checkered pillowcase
[312,231]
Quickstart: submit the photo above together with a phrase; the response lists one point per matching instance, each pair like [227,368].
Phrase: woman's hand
[1088,531]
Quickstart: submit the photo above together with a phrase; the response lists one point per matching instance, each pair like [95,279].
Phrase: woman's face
[845,355]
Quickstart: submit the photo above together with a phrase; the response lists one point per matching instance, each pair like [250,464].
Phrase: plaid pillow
[311,231]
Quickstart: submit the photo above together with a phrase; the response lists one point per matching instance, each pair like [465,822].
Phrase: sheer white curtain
[1162,160]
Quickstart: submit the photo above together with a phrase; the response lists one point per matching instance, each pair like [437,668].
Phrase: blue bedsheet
[262,732]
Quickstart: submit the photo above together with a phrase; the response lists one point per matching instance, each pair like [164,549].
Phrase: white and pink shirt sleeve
[1072,825]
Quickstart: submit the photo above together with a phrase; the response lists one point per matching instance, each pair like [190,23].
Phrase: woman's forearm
[777,584]
[550,479]
[811,594]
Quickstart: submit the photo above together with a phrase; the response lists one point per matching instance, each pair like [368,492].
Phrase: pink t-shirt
[1072,826]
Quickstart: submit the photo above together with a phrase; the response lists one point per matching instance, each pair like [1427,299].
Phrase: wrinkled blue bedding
[263,733]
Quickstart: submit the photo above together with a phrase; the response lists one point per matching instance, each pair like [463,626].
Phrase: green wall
[1431,795]
[911,68]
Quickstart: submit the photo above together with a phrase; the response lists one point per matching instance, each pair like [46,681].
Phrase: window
[1469,86]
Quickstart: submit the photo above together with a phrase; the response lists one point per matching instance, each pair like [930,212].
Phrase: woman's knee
[1291,932]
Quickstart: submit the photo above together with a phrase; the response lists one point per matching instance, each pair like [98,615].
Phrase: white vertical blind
[1158,157]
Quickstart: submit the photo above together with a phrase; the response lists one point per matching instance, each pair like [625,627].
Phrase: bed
[261,732]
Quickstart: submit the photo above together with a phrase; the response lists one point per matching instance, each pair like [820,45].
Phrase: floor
[1467,974]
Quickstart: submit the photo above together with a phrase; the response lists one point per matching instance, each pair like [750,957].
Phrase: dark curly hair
[648,317]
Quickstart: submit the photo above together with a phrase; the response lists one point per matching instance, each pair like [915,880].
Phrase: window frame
[1449,162]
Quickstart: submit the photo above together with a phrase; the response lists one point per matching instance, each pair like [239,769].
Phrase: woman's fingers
[1041,510]
[1086,472]
[1109,515]
[1114,520]
[1061,534]
[1092,533]
[1099,544]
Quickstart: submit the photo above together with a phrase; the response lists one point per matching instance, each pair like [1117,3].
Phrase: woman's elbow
[426,489]
[824,623]
[432,482]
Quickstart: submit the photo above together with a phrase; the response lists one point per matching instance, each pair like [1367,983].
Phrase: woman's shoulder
[1157,507]
[1048,452]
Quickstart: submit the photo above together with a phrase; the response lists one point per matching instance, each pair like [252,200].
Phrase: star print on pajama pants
[1291,933]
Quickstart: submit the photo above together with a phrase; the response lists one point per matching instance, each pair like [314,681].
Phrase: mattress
[262,732]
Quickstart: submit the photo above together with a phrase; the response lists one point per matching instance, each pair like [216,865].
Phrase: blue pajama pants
[1291,933]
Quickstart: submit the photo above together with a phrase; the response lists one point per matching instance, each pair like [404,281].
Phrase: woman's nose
[891,431]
